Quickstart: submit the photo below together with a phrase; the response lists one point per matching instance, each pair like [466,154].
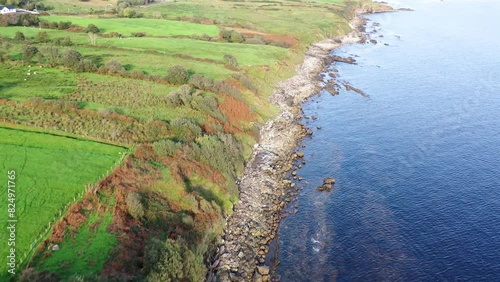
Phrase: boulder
[263,270]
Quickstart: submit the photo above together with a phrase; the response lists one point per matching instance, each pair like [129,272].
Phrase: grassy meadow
[152,27]
[51,172]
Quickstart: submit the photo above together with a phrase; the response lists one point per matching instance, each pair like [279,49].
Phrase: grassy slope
[51,171]
[152,27]
[22,82]
[86,252]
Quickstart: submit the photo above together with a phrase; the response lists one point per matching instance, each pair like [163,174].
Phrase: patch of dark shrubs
[19,20]
[139,34]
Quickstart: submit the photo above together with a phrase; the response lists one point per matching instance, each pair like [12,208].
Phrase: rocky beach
[264,191]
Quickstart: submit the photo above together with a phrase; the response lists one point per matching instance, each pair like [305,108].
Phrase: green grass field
[86,252]
[22,82]
[246,54]
[50,172]
[153,27]
[306,20]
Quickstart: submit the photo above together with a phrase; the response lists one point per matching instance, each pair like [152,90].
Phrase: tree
[93,28]
[71,58]
[28,53]
[93,38]
[177,75]
[51,54]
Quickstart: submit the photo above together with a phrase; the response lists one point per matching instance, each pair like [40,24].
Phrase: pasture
[126,26]
[51,171]
[22,82]
[246,54]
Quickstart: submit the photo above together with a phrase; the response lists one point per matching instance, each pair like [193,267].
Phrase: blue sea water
[417,163]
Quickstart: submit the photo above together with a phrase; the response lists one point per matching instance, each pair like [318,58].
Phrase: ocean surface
[417,163]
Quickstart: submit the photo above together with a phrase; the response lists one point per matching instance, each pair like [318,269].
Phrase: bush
[201,82]
[231,60]
[31,275]
[28,53]
[134,205]
[19,20]
[113,66]
[166,147]
[63,41]
[92,28]
[71,58]
[222,152]
[137,74]
[177,75]
[64,25]
[53,25]
[129,13]
[231,36]
[86,65]
[172,260]
[42,37]
[139,34]
[19,36]
[51,54]
[186,129]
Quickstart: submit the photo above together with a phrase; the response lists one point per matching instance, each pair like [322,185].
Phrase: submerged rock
[327,184]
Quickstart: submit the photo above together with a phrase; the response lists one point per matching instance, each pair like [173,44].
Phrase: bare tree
[93,38]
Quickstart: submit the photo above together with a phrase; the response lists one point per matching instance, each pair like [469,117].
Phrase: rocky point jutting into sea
[263,189]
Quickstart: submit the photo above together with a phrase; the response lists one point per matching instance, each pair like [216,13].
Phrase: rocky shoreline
[263,190]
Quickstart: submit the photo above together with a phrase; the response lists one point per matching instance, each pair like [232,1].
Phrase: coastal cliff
[263,189]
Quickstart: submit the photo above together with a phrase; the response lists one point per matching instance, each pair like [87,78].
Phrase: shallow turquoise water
[417,164]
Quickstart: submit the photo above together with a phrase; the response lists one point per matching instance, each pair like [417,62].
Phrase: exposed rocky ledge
[263,189]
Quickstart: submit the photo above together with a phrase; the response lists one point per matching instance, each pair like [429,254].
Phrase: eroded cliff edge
[262,188]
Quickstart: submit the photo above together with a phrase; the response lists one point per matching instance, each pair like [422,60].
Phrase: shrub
[231,36]
[92,28]
[256,40]
[63,41]
[51,54]
[31,275]
[64,25]
[279,43]
[172,260]
[236,37]
[19,36]
[137,74]
[129,12]
[114,66]
[42,37]
[86,65]
[71,58]
[222,152]
[186,129]
[177,75]
[134,205]
[139,34]
[166,147]
[53,25]
[201,82]
[231,60]
[19,20]
[28,53]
